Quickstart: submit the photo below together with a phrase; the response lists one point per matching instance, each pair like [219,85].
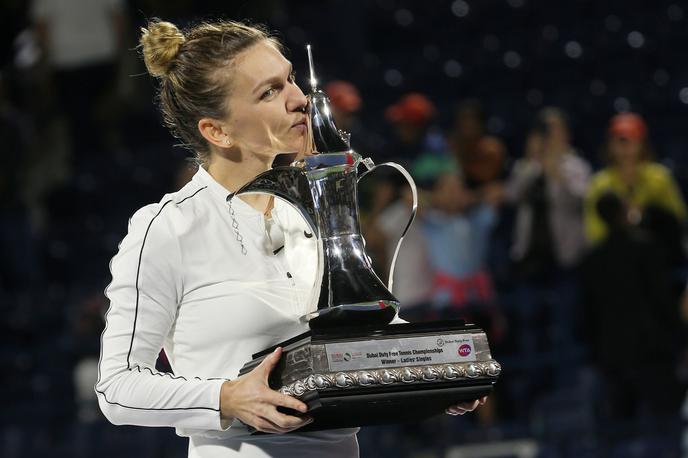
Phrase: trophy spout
[326,137]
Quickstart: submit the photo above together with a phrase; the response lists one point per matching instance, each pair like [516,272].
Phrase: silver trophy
[323,188]
[352,358]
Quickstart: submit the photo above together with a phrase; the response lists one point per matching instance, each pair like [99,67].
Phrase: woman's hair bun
[160,42]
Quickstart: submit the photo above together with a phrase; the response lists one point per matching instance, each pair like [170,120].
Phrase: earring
[227,142]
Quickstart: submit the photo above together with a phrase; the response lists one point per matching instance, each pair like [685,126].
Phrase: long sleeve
[144,295]
[570,189]
[595,229]
[525,172]
[670,196]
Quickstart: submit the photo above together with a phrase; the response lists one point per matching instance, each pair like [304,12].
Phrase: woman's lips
[300,126]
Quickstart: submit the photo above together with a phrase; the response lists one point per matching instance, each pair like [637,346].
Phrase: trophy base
[350,410]
[370,375]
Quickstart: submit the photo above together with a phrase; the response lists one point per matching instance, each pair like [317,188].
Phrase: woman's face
[468,124]
[625,150]
[557,134]
[265,105]
[535,145]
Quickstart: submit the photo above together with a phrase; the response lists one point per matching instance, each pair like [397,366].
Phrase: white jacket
[180,281]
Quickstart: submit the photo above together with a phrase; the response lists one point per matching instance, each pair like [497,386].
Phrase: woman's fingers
[277,423]
[470,406]
[250,399]
[269,362]
[287,422]
[283,400]
[276,398]
[455,411]
[464,407]
[266,426]
[278,419]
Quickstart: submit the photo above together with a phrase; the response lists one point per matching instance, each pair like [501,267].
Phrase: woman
[643,184]
[207,279]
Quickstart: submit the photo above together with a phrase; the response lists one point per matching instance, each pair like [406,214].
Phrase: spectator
[480,156]
[413,135]
[456,226]
[633,175]
[412,274]
[81,40]
[631,317]
[547,187]
[346,103]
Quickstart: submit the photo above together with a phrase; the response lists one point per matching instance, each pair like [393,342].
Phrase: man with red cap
[413,109]
[629,126]
[344,99]
[411,117]
[346,102]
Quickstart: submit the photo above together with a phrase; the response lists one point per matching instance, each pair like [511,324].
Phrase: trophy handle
[289,184]
[368,163]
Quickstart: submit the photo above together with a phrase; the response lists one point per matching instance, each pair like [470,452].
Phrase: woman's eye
[269,93]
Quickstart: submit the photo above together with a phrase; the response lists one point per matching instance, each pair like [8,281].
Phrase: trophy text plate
[407,351]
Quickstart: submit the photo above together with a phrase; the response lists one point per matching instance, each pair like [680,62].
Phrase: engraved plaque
[410,351]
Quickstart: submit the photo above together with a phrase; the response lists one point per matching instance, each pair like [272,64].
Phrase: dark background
[63,211]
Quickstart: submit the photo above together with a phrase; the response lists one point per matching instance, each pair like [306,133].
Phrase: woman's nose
[297,101]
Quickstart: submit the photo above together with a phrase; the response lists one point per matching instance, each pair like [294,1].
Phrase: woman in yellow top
[632,175]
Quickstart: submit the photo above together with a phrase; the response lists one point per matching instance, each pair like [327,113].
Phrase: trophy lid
[326,137]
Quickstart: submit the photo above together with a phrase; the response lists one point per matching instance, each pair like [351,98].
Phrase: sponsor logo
[464,350]
[337,357]
[347,356]
[440,342]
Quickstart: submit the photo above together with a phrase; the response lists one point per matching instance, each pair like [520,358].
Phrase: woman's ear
[215,132]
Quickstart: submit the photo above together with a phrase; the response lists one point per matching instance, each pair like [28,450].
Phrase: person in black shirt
[631,318]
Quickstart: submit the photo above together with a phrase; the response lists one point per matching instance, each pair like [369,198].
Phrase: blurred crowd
[576,275]
[573,261]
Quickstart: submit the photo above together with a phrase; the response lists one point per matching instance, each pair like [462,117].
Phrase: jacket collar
[220,193]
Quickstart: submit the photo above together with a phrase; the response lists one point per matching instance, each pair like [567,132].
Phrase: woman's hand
[251,400]
[464,407]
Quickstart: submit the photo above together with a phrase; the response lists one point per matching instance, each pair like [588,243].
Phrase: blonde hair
[191,66]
